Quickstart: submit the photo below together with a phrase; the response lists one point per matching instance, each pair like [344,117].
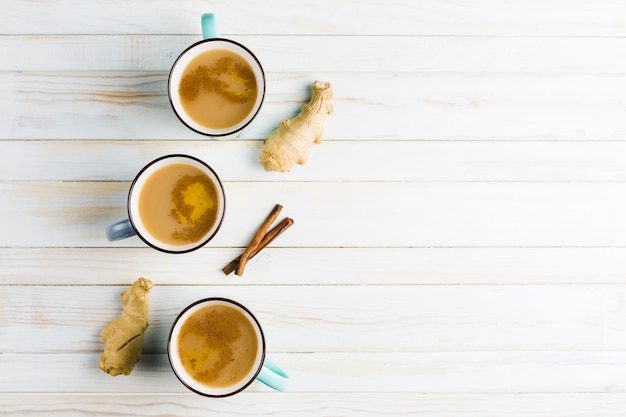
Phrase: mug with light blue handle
[262,369]
[212,41]
[135,224]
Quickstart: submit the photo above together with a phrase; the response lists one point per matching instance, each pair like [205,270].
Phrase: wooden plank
[343,214]
[325,53]
[509,18]
[279,265]
[395,372]
[401,107]
[56,319]
[320,404]
[459,243]
[384,160]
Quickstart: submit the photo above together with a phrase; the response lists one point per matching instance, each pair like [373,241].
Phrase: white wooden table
[459,246]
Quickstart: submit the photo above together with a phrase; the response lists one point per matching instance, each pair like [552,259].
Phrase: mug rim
[261,335]
[200,243]
[251,117]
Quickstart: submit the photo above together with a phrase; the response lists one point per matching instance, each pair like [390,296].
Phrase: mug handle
[209,27]
[120,230]
[272,376]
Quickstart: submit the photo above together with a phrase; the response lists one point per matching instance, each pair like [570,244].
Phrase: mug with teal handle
[207,341]
[187,62]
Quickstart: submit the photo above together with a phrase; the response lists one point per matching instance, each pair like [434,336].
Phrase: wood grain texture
[323,404]
[337,318]
[326,53]
[391,372]
[340,214]
[283,265]
[398,107]
[555,18]
[331,161]
[459,239]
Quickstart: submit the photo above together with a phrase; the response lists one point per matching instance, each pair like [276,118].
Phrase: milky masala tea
[218,89]
[217,346]
[178,204]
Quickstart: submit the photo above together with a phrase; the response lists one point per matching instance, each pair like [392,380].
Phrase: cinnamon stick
[267,239]
[256,239]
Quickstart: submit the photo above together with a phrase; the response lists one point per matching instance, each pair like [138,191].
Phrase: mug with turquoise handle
[216,99]
[216,348]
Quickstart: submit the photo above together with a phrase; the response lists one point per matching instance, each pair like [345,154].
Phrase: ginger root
[289,144]
[123,337]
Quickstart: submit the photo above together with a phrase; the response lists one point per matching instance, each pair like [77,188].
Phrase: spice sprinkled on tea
[213,334]
[194,205]
[228,78]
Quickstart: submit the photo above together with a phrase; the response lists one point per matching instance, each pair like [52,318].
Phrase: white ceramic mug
[134,224]
[262,368]
[212,41]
